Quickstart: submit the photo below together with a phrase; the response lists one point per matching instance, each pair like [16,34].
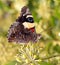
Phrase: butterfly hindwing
[18,34]
[13,32]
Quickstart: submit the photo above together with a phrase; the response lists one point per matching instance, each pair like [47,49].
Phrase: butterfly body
[23,30]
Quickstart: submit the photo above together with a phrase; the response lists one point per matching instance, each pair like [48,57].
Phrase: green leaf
[1,4]
[52,4]
[12,63]
[57,48]
[53,20]
[49,47]
[45,63]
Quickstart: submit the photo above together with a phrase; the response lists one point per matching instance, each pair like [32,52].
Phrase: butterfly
[23,29]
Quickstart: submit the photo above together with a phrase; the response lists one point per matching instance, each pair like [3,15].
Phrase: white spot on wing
[29,16]
[28,25]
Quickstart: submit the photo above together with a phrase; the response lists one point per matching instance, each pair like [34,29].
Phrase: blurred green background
[46,15]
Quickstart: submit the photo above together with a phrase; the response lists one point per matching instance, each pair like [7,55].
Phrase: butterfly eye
[30,19]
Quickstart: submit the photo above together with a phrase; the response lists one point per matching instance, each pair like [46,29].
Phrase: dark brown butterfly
[23,30]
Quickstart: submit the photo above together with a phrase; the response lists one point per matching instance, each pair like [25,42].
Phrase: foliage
[46,51]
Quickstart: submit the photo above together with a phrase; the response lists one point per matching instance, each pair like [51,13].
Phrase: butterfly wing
[17,33]
[23,30]
[14,32]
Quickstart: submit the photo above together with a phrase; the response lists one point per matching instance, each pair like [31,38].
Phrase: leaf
[49,47]
[1,4]
[12,63]
[57,48]
[52,4]
[53,20]
[45,63]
